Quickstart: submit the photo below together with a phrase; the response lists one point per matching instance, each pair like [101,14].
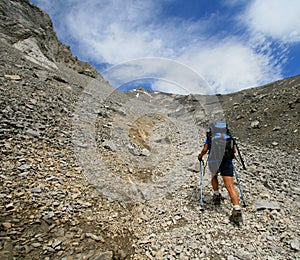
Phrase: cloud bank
[242,44]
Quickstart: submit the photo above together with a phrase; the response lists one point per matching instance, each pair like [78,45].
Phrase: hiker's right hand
[200,158]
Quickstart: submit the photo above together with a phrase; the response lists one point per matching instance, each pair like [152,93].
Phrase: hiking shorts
[225,168]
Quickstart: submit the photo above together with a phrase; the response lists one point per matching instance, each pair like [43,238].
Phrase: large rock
[30,30]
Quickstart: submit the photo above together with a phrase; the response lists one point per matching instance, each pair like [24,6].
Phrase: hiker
[221,148]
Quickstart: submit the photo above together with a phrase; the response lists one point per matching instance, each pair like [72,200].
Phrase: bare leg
[229,185]
[214,182]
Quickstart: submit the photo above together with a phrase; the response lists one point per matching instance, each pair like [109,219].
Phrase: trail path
[166,220]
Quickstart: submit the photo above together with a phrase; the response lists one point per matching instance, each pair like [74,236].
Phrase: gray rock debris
[266,205]
[48,207]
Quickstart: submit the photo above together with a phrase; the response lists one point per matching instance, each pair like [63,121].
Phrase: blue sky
[182,46]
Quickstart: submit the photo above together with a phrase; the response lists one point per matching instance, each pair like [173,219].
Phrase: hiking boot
[236,217]
[216,199]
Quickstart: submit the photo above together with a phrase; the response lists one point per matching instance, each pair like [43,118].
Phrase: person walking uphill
[221,148]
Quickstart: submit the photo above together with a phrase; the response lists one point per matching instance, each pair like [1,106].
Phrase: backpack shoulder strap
[208,137]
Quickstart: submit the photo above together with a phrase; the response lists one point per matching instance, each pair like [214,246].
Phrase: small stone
[80,144]
[255,124]
[295,244]
[109,145]
[145,152]
[49,215]
[19,247]
[24,167]
[6,225]
[50,249]
[56,243]
[276,128]
[73,223]
[94,237]
[266,205]
[242,254]
[9,206]
[35,245]
[178,249]
[32,133]
[56,203]
[12,77]
[36,190]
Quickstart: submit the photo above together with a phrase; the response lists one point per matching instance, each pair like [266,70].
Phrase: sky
[182,46]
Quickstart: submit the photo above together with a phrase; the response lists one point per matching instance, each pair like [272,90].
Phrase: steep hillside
[29,30]
[87,172]
[267,116]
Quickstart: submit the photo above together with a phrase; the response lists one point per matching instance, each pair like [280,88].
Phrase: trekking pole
[204,167]
[201,181]
[240,155]
[239,185]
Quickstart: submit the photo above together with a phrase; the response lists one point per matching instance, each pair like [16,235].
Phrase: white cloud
[279,19]
[118,32]
[167,75]
[231,65]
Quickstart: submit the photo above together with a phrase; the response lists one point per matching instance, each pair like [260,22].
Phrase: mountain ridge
[30,30]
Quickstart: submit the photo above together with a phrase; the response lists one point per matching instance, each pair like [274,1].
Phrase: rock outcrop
[30,30]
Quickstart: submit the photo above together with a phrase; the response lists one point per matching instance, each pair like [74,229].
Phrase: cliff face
[30,30]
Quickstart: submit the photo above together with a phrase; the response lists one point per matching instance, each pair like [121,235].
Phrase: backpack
[220,142]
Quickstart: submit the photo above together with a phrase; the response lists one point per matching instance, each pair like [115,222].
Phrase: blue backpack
[220,142]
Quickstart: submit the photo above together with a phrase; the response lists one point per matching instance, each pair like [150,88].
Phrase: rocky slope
[29,30]
[91,173]
[269,114]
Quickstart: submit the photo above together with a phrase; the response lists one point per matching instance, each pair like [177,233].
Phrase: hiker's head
[218,126]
